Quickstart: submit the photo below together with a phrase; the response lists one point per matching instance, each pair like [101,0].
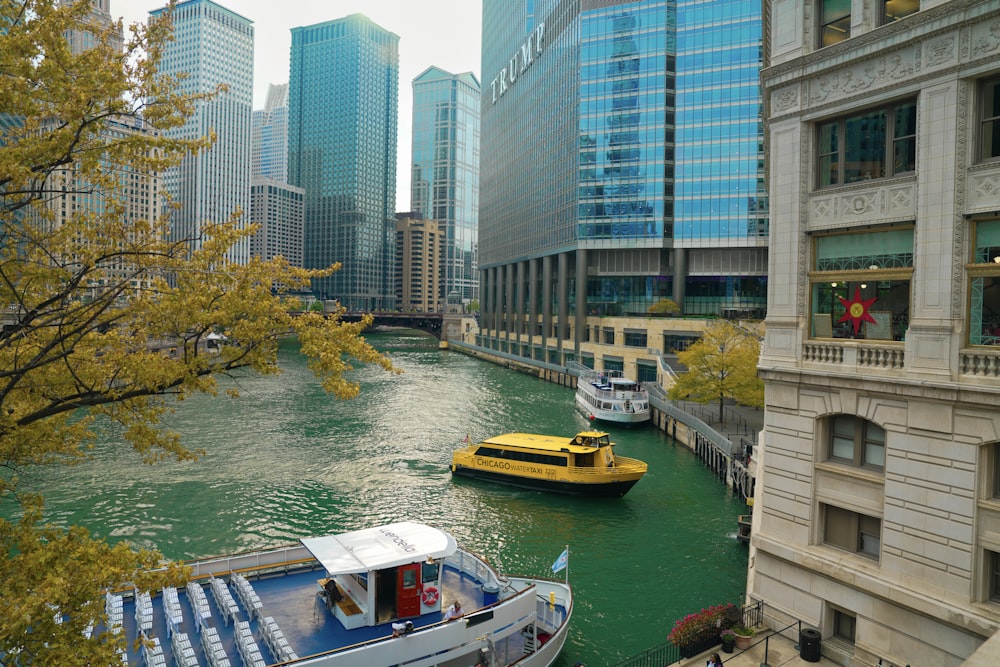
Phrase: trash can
[490,593]
[809,644]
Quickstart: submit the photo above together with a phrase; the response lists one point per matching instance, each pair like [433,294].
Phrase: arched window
[856,441]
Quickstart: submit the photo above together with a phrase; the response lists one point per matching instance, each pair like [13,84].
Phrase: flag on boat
[466,439]
[561,562]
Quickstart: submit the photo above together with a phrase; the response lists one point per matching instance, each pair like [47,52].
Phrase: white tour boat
[609,397]
[375,596]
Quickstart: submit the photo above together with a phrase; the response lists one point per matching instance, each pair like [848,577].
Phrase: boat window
[527,457]
[605,440]
[410,578]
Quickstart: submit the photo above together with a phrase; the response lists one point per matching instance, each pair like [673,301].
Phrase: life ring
[430,596]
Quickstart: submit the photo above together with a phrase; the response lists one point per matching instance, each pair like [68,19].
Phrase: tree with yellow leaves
[105,320]
[721,364]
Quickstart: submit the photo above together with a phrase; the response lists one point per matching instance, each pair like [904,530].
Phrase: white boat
[369,597]
[609,397]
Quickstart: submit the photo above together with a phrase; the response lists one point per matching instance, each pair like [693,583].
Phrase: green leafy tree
[90,298]
[664,306]
[721,364]
[473,306]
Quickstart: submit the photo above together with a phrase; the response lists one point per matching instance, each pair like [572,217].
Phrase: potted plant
[743,636]
[728,640]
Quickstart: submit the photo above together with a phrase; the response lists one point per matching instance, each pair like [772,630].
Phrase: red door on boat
[408,590]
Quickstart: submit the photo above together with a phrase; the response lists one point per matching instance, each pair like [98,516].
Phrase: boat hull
[611,489]
[611,416]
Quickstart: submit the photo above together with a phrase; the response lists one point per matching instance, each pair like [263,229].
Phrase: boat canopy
[380,548]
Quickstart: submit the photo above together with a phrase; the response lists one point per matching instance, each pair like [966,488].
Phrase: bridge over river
[429,322]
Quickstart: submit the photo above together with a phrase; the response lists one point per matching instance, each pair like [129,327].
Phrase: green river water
[287,461]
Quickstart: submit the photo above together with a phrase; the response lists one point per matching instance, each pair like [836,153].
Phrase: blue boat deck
[292,600]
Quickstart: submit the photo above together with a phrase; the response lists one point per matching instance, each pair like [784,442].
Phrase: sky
[443,33]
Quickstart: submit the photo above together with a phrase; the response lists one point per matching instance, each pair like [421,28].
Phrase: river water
[287,461]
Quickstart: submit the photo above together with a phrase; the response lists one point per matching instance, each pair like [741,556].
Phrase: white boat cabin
[382,574]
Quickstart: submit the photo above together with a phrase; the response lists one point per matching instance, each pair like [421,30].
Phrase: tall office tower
[214,46]
[720,199]
[586,130]
[134,196]
[277,208]
[876,519]
[342,119]
[269,151]
[444,182]
[100,16]
[418,263]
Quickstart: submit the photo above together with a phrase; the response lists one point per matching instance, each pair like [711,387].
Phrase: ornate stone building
[877,511]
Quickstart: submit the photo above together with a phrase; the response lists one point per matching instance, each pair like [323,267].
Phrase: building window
[860,285]
[835,21]
[609,336]
[851,531]
[989,128]
[877,143]
[993,562]
[844,625]
[984,284]
[857,441]
[893,10]
[635,338]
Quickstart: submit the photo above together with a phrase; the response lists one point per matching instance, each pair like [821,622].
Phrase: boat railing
[623,466]
[474,566]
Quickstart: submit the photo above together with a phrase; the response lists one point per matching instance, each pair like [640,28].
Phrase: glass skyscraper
[342,122]
[721,210]
[270,135]
[616,167]
[213,45]
[445,174]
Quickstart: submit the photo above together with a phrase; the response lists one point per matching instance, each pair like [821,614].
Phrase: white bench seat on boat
[247,595]
[275,640]
[224,599]
[172,610]
[247,645]
[199,605]
[143,612]
[184,654]
[215,653]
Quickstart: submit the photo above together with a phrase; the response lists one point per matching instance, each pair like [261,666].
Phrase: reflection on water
[287,461]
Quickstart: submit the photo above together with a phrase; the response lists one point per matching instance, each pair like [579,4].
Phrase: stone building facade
[877,511]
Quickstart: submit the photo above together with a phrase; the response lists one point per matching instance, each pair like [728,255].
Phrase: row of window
[882,142]
[860,285]
[855,441]
[835,17]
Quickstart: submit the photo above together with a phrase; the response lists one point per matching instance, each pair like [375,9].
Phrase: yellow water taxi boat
[583,465]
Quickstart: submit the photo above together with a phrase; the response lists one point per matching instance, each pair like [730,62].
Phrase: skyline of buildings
[213,45]
[342,123]
[444,178]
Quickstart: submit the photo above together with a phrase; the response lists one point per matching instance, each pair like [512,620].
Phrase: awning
[380,548]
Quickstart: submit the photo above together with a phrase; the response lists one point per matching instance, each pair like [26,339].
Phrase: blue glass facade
[445,173]
[720,194]
[626,123]
[342,128]
[622,162]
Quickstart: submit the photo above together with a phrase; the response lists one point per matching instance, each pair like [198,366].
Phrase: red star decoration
[856,310]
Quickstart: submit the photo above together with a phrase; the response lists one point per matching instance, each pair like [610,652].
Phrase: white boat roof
[380,547]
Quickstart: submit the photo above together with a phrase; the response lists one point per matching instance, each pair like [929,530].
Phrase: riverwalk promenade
[769,649]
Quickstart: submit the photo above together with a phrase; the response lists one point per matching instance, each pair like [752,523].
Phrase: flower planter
[727,647]
[743,642]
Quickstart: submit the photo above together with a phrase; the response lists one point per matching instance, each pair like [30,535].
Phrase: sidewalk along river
[287,461]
